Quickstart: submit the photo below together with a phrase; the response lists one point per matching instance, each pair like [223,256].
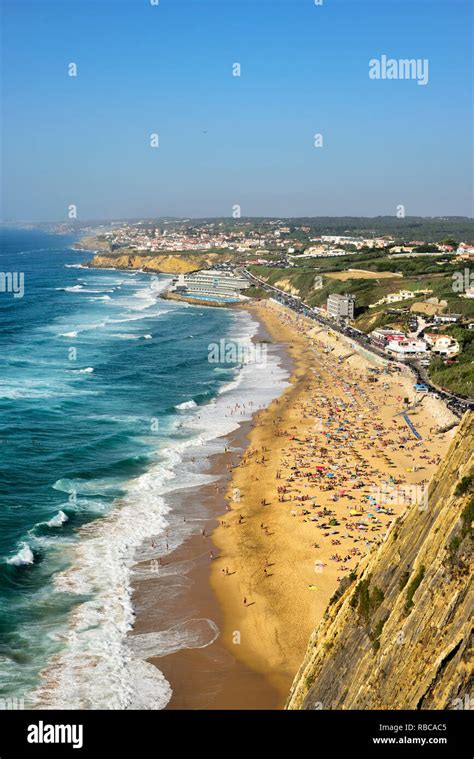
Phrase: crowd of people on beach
[348,463]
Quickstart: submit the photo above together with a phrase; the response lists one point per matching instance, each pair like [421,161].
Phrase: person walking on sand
[245,600]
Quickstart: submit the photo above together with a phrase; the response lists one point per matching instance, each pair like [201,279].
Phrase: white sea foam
[186,405]
[149,688]
[130,336]
[126,336]
[99,666]
[25,389]
[88,487]
[194,633]
[96,637]
[68,334]
[58,520]
[23,557]
[82,289]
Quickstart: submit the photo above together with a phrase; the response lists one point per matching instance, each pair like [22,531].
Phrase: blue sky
[226,140]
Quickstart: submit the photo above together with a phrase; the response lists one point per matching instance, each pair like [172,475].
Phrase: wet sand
[179,590]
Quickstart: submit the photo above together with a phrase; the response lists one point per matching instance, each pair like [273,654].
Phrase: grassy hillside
[302,281]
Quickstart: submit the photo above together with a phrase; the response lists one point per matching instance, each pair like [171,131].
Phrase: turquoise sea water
[103,387]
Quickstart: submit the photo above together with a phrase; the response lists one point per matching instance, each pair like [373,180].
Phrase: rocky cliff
[398,633]
[165,264]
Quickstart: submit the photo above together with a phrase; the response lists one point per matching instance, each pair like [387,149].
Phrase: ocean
[108,404]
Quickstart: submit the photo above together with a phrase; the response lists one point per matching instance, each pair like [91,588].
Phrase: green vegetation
[366,601]
[403,580]
[453,546]
[377,632]
[341,589]
[402,230]
[257,292]
[418,273]
[431,273]
[413,586]
[376,597]
[457,377]
[309,680]
[464,485]
[467,517]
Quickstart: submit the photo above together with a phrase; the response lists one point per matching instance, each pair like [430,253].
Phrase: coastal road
[455,403]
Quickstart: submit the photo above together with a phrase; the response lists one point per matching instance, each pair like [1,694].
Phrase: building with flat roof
[210,284]
[406,347]
[381,337]
[341,306]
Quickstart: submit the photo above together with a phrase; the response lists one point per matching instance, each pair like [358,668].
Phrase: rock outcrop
[165,264]
[398,635]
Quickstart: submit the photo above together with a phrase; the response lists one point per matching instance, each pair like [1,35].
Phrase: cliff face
[398,635]
[165,264]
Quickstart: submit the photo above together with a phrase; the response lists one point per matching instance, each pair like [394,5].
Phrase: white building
[210,284]
[406,347]
[443,345]
[341,306]
[399,296]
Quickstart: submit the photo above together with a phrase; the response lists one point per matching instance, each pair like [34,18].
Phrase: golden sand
[278,565]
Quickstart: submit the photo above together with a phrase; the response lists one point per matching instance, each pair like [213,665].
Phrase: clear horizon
[225,140]
[138,219]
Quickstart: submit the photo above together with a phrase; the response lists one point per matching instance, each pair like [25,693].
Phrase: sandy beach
[329,466]
[175,594]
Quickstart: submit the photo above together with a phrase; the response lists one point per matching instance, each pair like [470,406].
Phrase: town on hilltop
[403,286]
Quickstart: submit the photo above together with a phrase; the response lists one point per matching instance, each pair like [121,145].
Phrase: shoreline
[216,651]
[204,675]
[284,575]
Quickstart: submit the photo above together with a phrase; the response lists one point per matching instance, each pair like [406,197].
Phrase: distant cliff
[399,635]
[168,263]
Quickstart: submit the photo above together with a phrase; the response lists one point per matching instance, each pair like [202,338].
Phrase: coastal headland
[159,263]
